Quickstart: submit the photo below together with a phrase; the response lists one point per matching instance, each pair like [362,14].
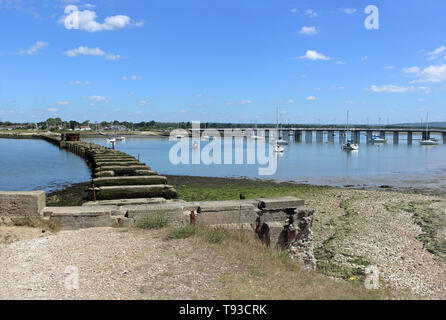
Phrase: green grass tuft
[153,221]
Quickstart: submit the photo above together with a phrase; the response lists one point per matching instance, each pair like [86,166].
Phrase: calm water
[399,165]
[38,165]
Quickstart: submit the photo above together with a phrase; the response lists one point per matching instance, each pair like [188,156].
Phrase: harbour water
[39,165]
[398,165]
[27,164]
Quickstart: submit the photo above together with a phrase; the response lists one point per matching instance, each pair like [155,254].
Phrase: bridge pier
[309,136]
[410,137]
[330,136]
[298,136]
[396,137]
[356,136]
[369,135]
[444,137]
[342,135]
[382,134]
[319,136]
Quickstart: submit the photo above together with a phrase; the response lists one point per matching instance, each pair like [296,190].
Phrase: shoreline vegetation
[403,233]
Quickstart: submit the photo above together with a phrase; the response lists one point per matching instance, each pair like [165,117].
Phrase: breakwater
[117,175]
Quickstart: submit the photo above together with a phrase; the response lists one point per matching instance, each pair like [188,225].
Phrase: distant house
[85,128]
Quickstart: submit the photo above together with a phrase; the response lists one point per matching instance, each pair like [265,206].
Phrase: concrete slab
[21,203]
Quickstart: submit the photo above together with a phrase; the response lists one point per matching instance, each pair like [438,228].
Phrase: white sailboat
[278,149]
[377,139]
[279,141]
[428,141]
[111,140]
[349,145]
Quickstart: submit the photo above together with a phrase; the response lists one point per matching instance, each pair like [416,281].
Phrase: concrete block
[21,203]
[131,180]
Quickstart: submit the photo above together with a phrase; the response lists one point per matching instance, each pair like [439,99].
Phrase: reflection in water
[38,165]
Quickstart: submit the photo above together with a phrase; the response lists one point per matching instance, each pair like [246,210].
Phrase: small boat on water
[111,139]
[179,136]
[428,141]
[350,146]
[377,139]
[122,138]
[205,138]
[282,142]
[278,149]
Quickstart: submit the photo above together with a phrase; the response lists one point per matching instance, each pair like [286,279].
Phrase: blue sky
[223,61]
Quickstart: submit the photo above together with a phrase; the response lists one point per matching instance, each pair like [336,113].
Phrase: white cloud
[62,103]
[436,53]
[337,88]
[97,98]
[398,89]
[348,10]
[411,70]
[79,83]
[247,101]
[86,20]
[351,102]
[310,13]
[364,58]
[34,48]
[432,74]
[389,67]
[314,55]
[340,62]
[113,56]
[143,103]
[311,98]
[53,110]
[294,10]
[125,78]
[86,51]
[310,31]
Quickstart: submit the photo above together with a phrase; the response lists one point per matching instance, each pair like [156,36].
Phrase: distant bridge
[331,133]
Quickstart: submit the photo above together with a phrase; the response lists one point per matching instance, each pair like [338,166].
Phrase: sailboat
[256,137]
[377,139]
[349,145]
[279,141]
[278,149]
[428,141]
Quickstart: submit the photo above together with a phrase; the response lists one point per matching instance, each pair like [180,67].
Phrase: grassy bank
[209,189]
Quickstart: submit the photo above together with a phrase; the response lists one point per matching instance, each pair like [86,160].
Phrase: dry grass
[259,272]
[35,221]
